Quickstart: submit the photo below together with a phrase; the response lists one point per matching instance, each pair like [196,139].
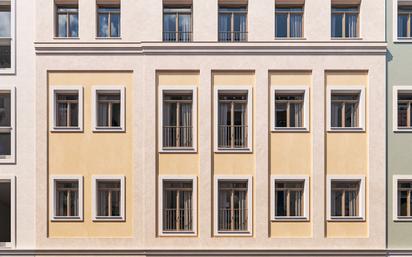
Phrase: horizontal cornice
[213,48]
[198,253]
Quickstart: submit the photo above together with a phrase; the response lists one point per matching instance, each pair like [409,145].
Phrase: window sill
[178,150]
[402,219]
[66,129]
[178,234]
[7,245]
[66,38]
[347,38]
[103,219]
[65,219]
[346,219]
[400,130]
[108,38]
[290,38]
[233,150]
[7,71]
[293,219]
[107,129]
[7,159]
[403,40]
[278,129]
[233,234]
[346,130]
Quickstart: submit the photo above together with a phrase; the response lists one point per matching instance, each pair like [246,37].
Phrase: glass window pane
[296,25]
[5,110]
[74,115]
[225,27]
[351,25]
[103,29]
[169,27]
[5,56]
[403,203]
[337,198]
[62,26]
[74,25]
[281,115]
[281,25]
[5,144]
[336,115]
[103,115]
[337,20]
[61,119]
[115,25]
[5,21]
[184,27]
[403,25]
[115,115]
[402,115]
[281,203]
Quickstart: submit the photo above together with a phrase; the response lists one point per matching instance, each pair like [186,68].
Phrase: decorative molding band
[250,48]
[202,253]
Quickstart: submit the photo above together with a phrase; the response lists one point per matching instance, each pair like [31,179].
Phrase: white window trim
[193,179]
[122,216]
[362,114]
[290,89]
[12,157]
[396,91]
[52,109]
[53,180]
[395,5]
[12,180]
[12,69]
[249,118]
[162,89]
[362,199]
[249,180]
[109,88]
[306,203]
[396,179]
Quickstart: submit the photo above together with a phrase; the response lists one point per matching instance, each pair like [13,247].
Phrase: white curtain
[186,123]
[224,27]
[184,27]
[351,25]
[223,131]
[243,27]
[295,25]
[103,115]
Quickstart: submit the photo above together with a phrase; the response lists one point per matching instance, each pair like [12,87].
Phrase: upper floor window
[6,35]
[289,21]
[109,198]
[7,212]
[345,22]
[232,23]
[177,24]
[108,21]
[402,108]
[404,199]
[67,18]
[404,21]
[67,108]
[233,119]
[67,198]
[7,126]
[109,108]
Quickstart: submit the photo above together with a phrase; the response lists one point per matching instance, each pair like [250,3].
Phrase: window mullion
[288,203]
[68,114]
[109,204]
[408,204]
[288,114]
[408,113]
[343,115]
[343,203]
[177,210]
[67,24]
[109,114]
[68,203]
[232,211]
[343,25]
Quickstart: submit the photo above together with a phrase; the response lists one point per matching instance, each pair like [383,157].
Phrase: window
[6,36]
[67,198]
[67,18]
[177,24]
[346,198]
[404,22]
[7,211]
[232,24]
[345,21]
[346,108]
[402,103]
[109,195]
[233,205]
[289,21]
[177,205]
[7,126]
[67,110]
[402,197]
[109,108]
[178,118]
[108,21]
[290,107]
[233,119]
[291,197]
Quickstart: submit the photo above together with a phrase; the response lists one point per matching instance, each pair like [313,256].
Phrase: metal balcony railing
[232,36]
[177,36]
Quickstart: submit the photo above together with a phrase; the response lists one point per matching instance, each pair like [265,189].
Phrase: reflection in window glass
[108,22]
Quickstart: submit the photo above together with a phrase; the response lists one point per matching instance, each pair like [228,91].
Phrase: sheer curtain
[351,25]
[186,124]
[223,131]
[224,27]
[402,25]
[295,25]
[167,131]
[184,27]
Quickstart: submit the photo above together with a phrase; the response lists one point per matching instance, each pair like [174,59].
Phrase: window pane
[61,120]
[67,198]
[74,25]
[108,193]
[281,115]
[5,21]
[351,25]
[103,30]
[5,110]
[337,198]
[336,113]
[74,115]
[295,115]
[337,20]
[403,203]
[281,203]
[115,122]
[281,25]
[402,115]
[239,27]
[103,115]
[296,25]
[225,27]
[5,211]
[115,25]
[5,144]
[62,26]
[351,115]
[403,25]
[184,27]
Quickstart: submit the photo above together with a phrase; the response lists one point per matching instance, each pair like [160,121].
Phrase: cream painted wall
[291,152]
[347,154]
[91,153]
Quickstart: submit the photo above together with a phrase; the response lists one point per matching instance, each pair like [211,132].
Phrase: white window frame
[396,180]
[249,180]
[234,89]
[54,90]
[193,179]
[122,216]
[12,157]
[291,90]
[53,197]
[182,88]
[306,203]
[109,88]
[12,69]
[362,197]
[362,107]
[395,5]
[12,180]
[396,91]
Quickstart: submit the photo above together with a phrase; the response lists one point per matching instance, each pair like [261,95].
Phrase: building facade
[220,127]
